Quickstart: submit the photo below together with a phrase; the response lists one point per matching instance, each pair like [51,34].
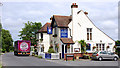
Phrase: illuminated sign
[64,33]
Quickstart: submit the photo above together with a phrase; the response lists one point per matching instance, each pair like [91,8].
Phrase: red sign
[24,46]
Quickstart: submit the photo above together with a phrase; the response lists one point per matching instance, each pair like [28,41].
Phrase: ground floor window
[100,47]
[88,47]
[42,48]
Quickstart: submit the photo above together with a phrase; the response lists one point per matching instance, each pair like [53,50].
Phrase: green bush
[36,55]
[51,50]
[3,50]
[33,54]
[40,57]
[86,56]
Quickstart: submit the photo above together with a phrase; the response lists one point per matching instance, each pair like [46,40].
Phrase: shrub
[36,55]
[33,54]
[51,50]
[40,57]
[86,56]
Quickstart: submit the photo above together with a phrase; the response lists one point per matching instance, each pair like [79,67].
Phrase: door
[66,49]
[62,51]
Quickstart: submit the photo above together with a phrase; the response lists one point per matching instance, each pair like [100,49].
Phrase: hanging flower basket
[94,47]
[68,46]
[51,46]
[108,47]
[41,39]
[57,46]
[114,46]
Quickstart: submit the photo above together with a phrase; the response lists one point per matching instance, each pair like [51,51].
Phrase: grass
[0,65]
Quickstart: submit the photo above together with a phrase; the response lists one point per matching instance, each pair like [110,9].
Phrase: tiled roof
[62,21]
[44,28]
[67,40]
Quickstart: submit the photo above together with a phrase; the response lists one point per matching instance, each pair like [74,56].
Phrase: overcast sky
[103,14]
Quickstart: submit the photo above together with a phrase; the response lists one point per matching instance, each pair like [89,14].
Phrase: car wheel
[100,58]
[115,58]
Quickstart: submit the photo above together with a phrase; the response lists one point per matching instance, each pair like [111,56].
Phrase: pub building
[64,32]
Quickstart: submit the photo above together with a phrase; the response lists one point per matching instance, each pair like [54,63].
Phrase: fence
[55,56]
[42,54]
[50,56]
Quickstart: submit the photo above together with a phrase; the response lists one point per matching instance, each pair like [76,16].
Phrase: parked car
[100,55]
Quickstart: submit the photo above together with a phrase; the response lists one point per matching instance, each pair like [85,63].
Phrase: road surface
[9,59]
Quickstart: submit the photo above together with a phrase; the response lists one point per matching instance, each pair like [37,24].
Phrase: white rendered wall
[45,42]
[79,25]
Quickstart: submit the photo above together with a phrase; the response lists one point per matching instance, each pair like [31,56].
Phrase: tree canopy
[0,35]
[7,41]
[29,31]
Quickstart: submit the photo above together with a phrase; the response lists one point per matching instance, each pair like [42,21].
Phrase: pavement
[9,59]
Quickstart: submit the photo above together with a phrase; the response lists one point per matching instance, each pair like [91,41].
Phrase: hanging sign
[64,33]
[49,30]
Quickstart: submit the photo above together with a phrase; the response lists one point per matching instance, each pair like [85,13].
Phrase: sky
[104,14]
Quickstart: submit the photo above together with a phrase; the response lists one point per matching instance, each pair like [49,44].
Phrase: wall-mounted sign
[64,32]
[77,49]
[49,30]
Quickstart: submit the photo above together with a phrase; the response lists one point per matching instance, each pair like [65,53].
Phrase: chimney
[74,10]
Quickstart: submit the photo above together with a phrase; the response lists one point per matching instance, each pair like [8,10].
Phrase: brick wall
[75,54]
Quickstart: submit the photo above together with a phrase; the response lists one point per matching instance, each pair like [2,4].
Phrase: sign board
[64,33]
[24,46]
[49,30]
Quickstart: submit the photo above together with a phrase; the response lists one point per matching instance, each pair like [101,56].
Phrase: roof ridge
[61,15]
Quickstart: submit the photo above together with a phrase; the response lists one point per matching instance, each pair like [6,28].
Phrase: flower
[94,47]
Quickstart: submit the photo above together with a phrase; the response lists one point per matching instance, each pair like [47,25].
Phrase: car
[100,55]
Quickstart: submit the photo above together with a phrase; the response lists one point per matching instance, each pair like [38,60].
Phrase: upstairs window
[89,33]
[41,35]
[55,32]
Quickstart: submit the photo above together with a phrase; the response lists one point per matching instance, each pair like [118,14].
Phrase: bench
[69,56]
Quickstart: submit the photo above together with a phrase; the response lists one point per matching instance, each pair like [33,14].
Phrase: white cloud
[103,14]
[109,24]
[14,26]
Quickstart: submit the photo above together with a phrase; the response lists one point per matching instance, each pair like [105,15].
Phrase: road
[9,59]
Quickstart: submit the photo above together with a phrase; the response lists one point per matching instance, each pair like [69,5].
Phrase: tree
[83,45]
[7,41]
[117,42]
[0,36]
[29,31]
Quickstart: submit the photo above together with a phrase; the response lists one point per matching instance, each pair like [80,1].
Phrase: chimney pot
[73,4]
